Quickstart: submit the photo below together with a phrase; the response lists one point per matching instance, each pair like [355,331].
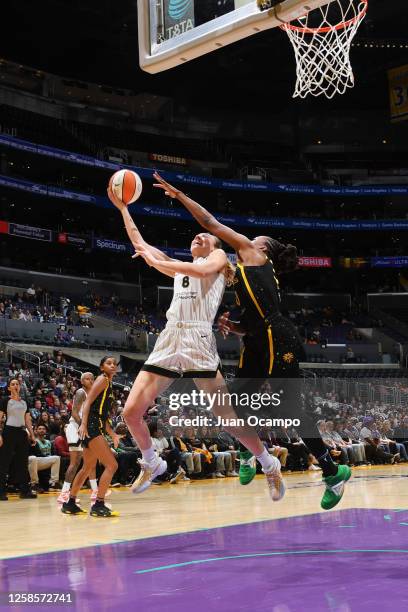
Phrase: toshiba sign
[168,159]
[315,262]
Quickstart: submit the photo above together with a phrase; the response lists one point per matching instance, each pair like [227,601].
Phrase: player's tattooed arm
[240,243]
[132,230]
[79,399]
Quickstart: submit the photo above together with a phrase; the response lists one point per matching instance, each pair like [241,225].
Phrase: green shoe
[247,467]
[335,487]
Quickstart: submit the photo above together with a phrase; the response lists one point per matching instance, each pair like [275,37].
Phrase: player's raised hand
[142,251]
[168,189]
[114,199]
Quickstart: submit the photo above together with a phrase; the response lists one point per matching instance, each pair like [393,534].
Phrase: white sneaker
[185,477]
[275,481]
[234,473]
[63,498]
[219,475]
[314,468]
[148,473]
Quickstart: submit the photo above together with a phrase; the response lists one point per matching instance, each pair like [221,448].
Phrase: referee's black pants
[15,449]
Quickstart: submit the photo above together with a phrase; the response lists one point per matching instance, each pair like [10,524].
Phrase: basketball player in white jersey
[186,347]
[74,442]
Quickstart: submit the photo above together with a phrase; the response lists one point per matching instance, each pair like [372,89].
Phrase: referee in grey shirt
[14,442]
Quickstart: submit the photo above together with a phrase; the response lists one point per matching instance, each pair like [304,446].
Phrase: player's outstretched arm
[240,243]
[216,262]
[132,230]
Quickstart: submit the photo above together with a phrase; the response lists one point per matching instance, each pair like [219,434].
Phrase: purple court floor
[340,561]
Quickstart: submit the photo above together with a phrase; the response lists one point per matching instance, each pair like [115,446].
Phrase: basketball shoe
[335,487]
[148,472]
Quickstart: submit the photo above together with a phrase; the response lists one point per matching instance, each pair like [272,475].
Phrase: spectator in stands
[351,436]
[13,369]
[55,426]
[335,452]
[401,432]
[61,448]
[346,449]
[297,452]
[65,303]
[387,436]
[43,459]
[126,456]
[373,450]
[271,444]
[31,294]
[44,420]
[223,458]
[24,392]
[350,356]
[60,442]
[208,465]
[36,410]
[226,442]
[191,459]
[172,455]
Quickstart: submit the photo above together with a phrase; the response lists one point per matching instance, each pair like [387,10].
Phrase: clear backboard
[172,32]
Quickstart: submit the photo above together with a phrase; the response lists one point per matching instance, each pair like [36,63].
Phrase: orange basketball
[127,186]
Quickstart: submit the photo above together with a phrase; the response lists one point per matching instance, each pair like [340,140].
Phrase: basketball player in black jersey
[272,347]
[95,422]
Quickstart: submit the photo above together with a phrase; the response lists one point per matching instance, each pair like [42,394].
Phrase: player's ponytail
[284,256]
[229,273]
[229,270]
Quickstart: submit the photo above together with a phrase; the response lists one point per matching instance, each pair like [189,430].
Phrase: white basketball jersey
[196,299]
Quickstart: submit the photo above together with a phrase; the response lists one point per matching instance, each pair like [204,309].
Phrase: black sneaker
[55,486]
[70,507]
[3,497]
[28,495]
[100,510]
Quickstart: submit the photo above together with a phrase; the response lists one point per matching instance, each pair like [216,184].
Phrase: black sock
[327,464]
[72,500]
[99,502]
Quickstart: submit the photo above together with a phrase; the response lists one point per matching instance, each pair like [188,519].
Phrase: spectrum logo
[179,8]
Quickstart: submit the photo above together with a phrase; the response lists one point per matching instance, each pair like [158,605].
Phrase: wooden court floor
[37,526]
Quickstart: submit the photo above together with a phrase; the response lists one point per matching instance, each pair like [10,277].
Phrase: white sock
[66,487]
[149,455]
[266,460]
[94,484]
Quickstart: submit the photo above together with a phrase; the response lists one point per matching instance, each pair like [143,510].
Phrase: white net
[322,41]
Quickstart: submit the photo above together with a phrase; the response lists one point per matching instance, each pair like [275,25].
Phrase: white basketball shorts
[185,349]
[71,433]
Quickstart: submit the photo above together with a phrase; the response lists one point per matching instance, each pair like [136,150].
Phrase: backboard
[172,32]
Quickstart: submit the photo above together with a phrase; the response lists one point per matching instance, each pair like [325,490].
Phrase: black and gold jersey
[101,406]
[257,293]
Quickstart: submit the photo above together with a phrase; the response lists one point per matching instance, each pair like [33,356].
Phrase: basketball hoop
[322,41]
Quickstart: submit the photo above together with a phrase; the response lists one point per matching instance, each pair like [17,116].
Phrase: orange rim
[340,26]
